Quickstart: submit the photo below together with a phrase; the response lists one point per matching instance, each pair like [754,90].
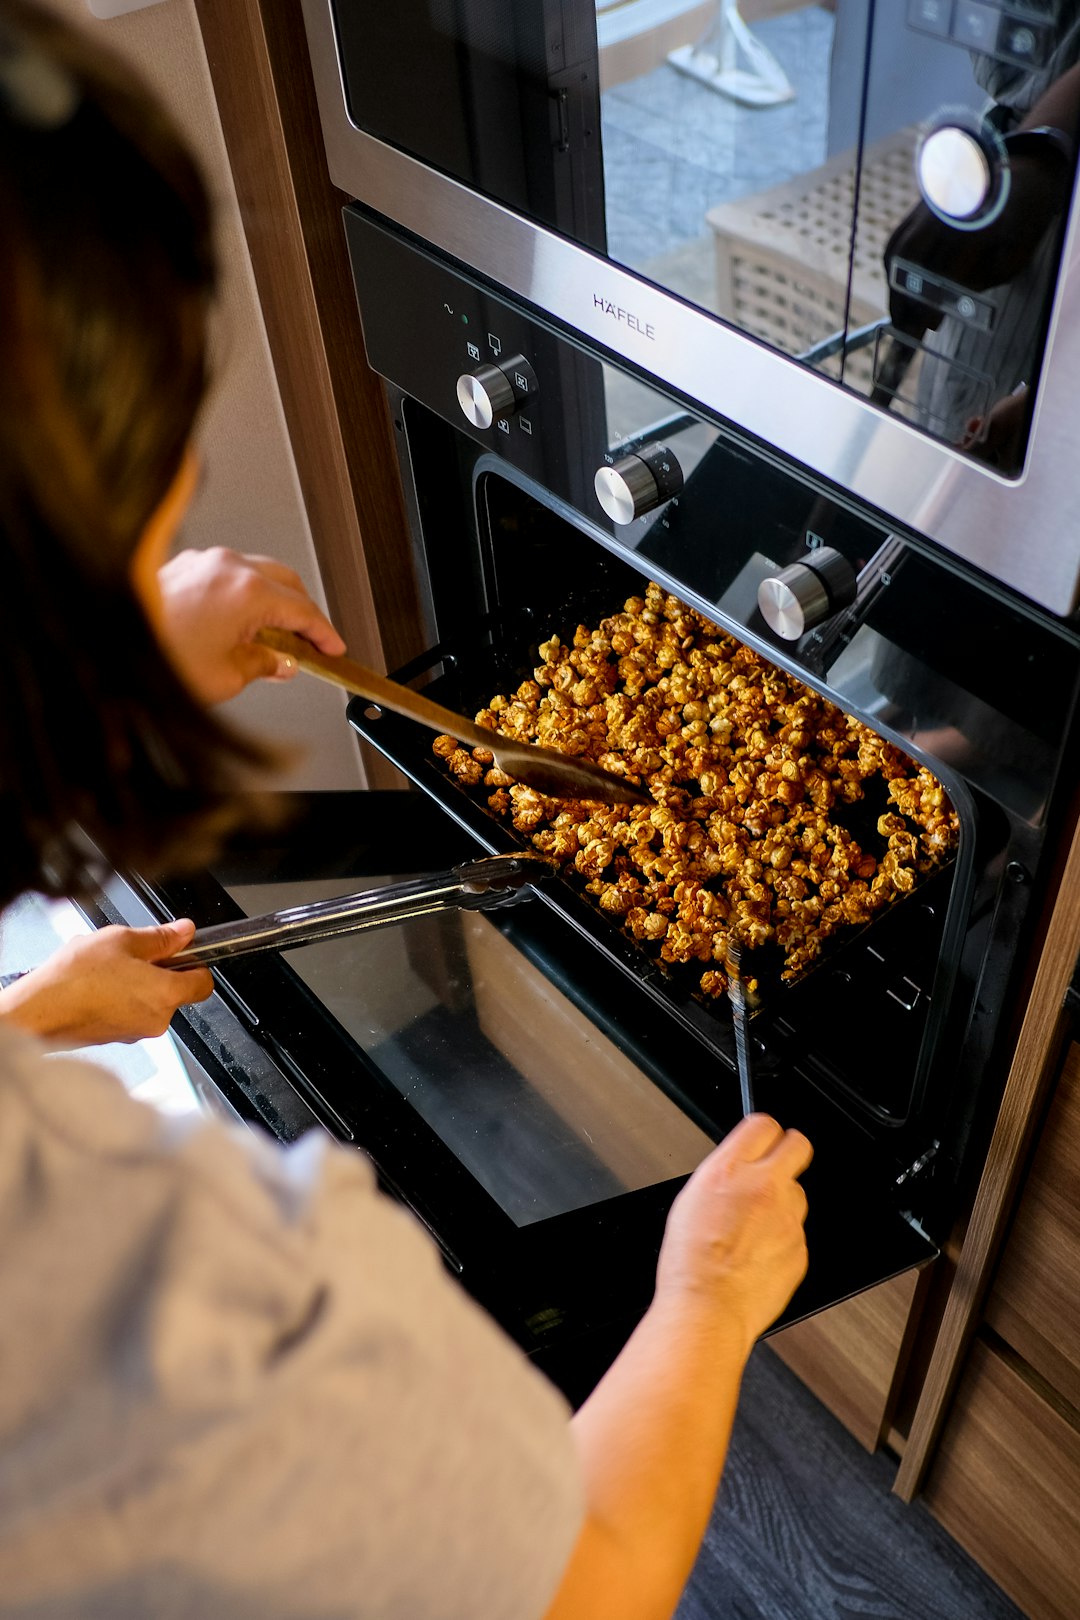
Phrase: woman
[237,1382]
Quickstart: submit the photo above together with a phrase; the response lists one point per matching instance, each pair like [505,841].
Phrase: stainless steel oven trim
[969,510]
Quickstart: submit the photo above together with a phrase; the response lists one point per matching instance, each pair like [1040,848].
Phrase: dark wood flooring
[806,1528]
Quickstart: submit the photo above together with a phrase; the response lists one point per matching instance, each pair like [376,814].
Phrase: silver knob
[486,393]
[807,593]
[956,173]
[639,483]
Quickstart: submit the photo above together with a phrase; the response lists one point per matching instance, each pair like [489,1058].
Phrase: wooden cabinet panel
[1006,1484]
[1035,1302]
[850,1355]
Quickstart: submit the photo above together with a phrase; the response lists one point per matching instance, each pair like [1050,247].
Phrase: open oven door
[510,1085]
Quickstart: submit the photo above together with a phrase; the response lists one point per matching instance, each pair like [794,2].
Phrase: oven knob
[492,391]
[638,483]
[960,174]
[807,593]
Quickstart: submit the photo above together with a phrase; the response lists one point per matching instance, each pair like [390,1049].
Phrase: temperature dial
[807,593]
[637,484]
[492,391]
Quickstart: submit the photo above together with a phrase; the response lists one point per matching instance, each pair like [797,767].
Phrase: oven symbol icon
[474,350]
[494,344]
[504,426]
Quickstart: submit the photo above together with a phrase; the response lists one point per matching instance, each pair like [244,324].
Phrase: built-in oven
[728,467]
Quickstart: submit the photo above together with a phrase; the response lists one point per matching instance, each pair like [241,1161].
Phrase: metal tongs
[484,885]
[739,1013]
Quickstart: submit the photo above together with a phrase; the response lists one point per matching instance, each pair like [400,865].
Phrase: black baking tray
[537,577]
[899,948]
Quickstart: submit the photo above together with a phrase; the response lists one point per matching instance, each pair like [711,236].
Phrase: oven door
[537,1115]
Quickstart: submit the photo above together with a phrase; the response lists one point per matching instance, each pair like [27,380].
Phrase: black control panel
[672,494]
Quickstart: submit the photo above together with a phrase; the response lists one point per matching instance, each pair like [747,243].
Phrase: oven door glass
[535,1113]
[859,187]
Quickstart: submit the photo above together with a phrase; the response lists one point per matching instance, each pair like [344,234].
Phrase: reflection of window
[151,1070]
[674,149]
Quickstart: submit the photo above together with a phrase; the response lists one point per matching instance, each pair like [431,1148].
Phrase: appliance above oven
[813,274]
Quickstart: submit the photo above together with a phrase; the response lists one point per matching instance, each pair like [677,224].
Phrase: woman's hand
[653,1435]
[734,1241]
[213,603]
[107,986]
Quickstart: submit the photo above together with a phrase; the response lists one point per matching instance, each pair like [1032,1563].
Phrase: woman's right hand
[734,1241]
[653,1435]
[107,986]
[213,603]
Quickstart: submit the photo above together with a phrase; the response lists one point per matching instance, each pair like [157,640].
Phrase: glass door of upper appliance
[877,191]
[708,146]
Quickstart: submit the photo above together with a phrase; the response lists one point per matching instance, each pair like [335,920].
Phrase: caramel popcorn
[751,773]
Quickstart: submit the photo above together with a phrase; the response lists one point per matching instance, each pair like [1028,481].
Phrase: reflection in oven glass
[877,191]
[779,822]
[541,1108]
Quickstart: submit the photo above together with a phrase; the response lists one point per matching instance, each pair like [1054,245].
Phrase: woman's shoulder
[84,1124]
[68,1097]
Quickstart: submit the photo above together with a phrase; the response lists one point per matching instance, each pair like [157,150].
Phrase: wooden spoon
[560,776]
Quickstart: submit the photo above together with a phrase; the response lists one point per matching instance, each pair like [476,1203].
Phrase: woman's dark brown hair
[106,273]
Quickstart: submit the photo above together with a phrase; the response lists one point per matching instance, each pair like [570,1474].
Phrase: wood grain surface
[852,1355]
[805,1527]
[1035,1301]
[1031,1074]
[335,408]
[1006,1483]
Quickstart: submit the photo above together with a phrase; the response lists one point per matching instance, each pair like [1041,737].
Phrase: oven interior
[890,1030]
[540,575]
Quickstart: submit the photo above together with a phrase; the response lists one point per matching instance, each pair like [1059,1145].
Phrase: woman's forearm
[653,1436]
[652,1440]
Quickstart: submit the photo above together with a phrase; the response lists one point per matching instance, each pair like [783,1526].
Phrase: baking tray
[906,934]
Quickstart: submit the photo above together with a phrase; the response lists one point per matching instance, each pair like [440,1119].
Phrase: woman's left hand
[107,986]
[212,605]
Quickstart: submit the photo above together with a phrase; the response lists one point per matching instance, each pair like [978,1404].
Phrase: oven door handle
[496,880]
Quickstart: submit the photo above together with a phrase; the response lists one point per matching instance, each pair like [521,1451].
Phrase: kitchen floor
[804,1527]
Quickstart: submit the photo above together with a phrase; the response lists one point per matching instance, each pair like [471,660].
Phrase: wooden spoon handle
[545,769]
[365,683]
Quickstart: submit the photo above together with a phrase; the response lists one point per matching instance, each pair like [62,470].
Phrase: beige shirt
[237,1384]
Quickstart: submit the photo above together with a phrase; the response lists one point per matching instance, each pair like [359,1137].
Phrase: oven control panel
[664,486]
[466,354]
[616,450]
[494,392]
